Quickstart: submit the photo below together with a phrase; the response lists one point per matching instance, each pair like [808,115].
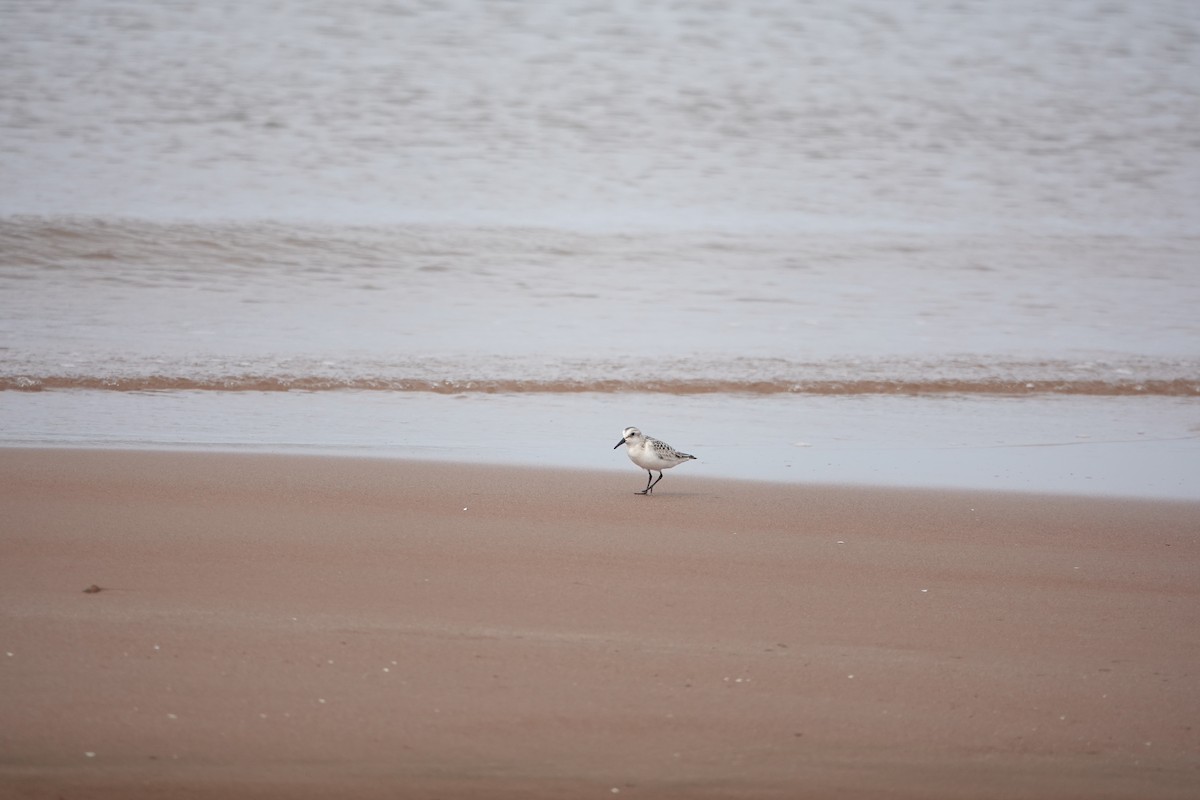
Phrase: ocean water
[903,243]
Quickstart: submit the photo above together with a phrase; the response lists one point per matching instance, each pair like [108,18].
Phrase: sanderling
[651,455]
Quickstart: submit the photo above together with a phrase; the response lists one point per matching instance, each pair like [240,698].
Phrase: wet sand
[303,627]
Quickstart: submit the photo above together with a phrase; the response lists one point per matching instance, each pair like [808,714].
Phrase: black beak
[618,444]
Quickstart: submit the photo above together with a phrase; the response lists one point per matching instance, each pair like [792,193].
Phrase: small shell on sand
[91,589]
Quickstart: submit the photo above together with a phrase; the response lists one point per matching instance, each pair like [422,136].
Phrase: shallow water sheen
[1126,446]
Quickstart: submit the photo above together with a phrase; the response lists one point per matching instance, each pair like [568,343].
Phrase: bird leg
[650,486]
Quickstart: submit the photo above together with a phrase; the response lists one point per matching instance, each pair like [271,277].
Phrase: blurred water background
[901,242]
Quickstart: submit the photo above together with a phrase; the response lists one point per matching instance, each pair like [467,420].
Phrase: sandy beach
[282,626]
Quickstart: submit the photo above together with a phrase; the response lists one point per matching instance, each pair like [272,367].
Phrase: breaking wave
[1161,387]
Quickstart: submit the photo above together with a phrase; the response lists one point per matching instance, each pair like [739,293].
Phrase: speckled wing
[666,452]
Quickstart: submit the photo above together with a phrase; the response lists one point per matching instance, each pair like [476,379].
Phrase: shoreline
[295,625]
[1099,447]
[457,460]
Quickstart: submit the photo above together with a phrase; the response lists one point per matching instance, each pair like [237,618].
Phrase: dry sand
[303,627]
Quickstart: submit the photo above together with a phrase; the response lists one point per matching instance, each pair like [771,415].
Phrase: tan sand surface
[304,627]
